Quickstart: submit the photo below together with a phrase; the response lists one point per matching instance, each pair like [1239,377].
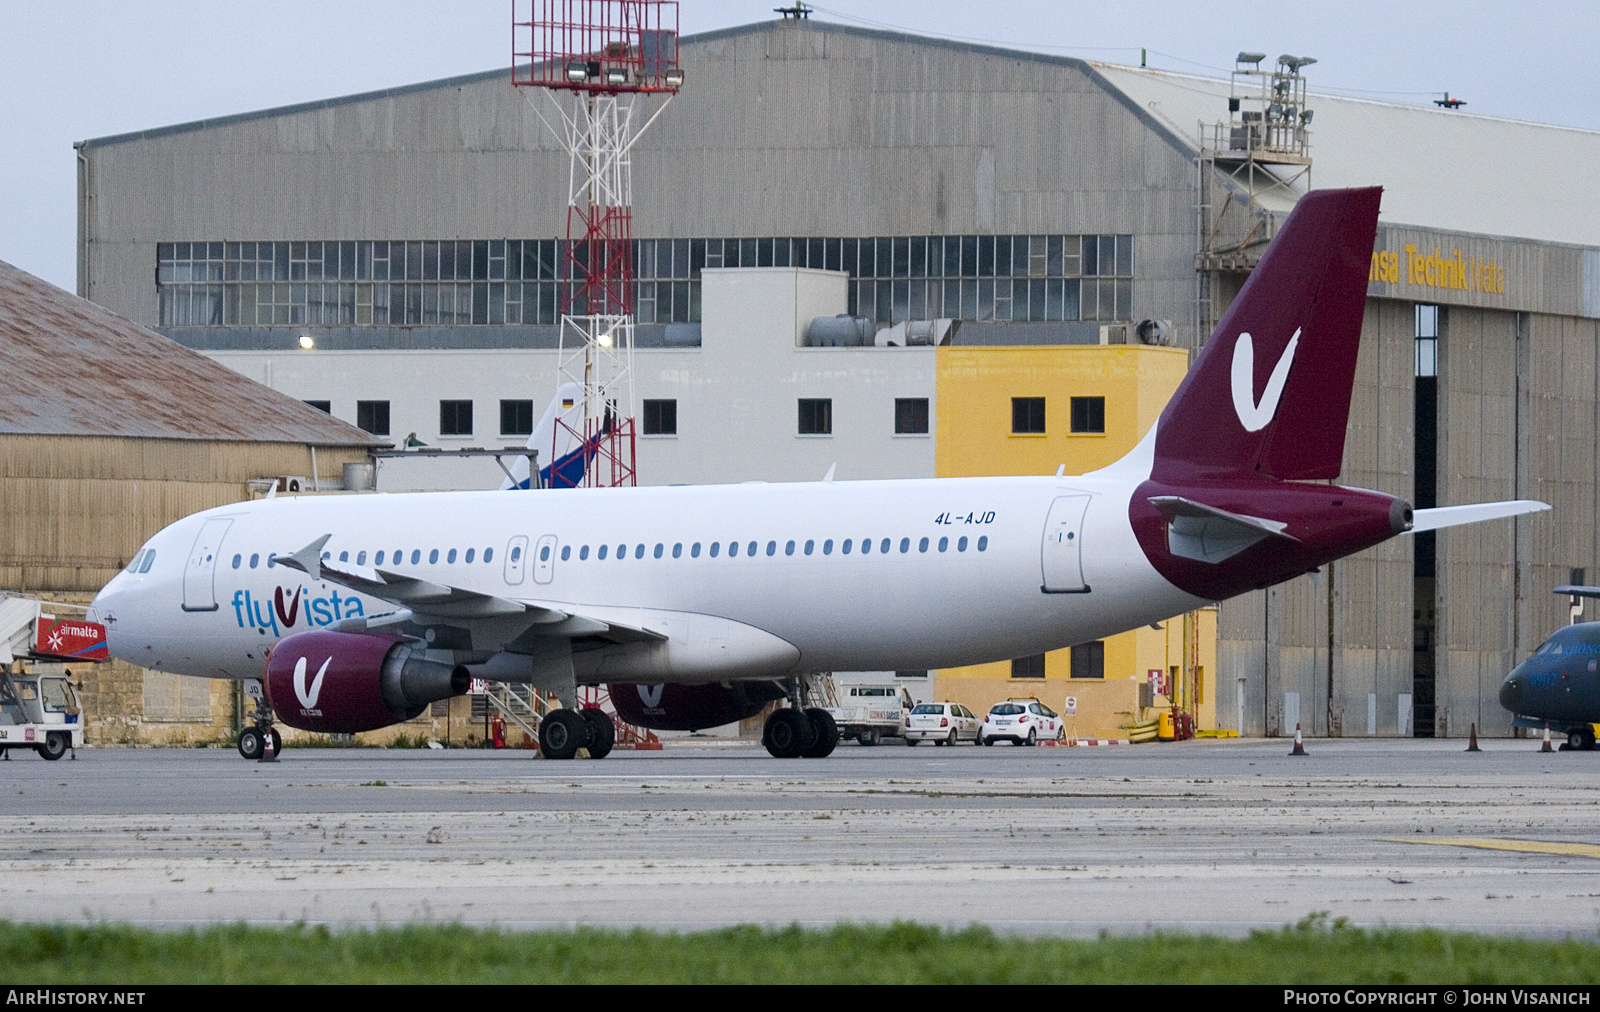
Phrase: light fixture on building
[604,340]
[674,78]
[577,73]
[307,342]
[616,75]
[1255,58]
[1294,63]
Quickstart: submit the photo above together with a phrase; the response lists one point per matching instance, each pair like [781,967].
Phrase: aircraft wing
[425,603]
[1451,516]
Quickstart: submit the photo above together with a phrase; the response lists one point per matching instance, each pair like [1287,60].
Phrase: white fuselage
[954,575]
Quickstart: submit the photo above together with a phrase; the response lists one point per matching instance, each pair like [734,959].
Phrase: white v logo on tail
[1255,417]
[308,697]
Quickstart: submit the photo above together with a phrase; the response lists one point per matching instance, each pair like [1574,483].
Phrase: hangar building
[108,433]
[1038,200]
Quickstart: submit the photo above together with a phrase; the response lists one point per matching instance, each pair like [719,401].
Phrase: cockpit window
[149,560]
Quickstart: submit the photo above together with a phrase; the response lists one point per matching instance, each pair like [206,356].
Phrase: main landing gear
[562,732]
[794,732]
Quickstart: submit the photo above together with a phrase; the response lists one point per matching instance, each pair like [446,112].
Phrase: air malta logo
[308,694]
[1254,415]
[650,696]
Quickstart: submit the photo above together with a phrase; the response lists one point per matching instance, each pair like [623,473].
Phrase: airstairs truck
[39,708]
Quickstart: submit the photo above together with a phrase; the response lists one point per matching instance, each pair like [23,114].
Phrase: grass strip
[1312,952]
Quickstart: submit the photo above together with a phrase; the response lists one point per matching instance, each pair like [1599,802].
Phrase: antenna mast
[596,59]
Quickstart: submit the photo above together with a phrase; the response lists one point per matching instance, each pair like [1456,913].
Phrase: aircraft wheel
[1581,738]
[562,733]
[602,733]
[54,746]
[251,742]
[869,737]
[825,734]
[788,733]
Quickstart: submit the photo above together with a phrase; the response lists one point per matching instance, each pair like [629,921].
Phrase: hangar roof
[72,368]
[1439,168]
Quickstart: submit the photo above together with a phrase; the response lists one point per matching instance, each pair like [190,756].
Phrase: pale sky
[77,69]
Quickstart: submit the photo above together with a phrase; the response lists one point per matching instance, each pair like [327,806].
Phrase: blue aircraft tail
[563,456]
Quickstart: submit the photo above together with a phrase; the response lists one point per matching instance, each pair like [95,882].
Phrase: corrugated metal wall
[1519,417]
[787,131]
[77,507]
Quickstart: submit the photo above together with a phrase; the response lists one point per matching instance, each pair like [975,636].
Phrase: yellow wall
[975,388]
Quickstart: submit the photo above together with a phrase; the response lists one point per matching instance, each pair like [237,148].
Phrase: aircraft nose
[1511,692]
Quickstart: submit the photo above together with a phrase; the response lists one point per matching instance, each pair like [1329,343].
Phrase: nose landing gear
[253,738]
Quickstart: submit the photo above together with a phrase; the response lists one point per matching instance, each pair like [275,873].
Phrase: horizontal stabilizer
[1452,516]
[1208,534]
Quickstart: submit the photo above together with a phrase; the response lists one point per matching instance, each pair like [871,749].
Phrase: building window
[1427,341]
[1027,415]
[516,418]
[1089,414]
[661,417]
[519,282]
[326,407]
[1089,660]
[816,416]
[911,674]
[373,416]
[1028,667]
[910,416]
[455,418]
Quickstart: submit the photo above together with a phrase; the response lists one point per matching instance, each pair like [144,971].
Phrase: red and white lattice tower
[599,61]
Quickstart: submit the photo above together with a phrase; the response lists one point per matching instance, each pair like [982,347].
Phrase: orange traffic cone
[1546,746]
[1472,739]
[268,753]
[1299,742]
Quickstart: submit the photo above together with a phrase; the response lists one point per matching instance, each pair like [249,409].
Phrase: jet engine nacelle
[673,707]
[340,683]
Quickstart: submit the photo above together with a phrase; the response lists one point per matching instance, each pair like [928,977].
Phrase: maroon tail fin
[1270,394]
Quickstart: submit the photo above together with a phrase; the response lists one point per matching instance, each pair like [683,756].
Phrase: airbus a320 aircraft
[702,604]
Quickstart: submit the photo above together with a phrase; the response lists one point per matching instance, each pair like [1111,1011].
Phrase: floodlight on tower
[600,63]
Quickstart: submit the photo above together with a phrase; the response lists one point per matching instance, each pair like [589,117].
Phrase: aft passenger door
[1062,554]
[200,573]
[516,559]
[544,559]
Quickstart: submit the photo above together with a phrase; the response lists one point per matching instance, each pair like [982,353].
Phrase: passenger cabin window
[660,417]
[1027,415]
[237,560]
[1089,414]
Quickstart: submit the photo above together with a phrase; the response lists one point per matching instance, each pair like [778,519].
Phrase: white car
[1021,722]
[941,723]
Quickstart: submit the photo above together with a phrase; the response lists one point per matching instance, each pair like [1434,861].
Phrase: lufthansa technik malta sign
[1437,270]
